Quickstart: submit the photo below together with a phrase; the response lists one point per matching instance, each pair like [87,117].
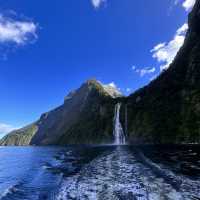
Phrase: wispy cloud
[112,89]
[5,128]
[112,85]
[154,76]
[97,3]
[143,71]
[18,32]
[128,89]
[165,52]
[188,4]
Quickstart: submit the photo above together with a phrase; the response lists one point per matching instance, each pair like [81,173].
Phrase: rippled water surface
[100,172]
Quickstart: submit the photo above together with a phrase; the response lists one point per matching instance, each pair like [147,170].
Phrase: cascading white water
[126,120]
[118,130]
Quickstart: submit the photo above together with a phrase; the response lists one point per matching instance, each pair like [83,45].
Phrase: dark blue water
[100,172]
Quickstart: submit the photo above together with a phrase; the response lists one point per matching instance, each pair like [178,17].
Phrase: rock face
[85,117]
[168,109]
[20,137]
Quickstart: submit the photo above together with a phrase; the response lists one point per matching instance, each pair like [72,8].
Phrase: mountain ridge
[55,124]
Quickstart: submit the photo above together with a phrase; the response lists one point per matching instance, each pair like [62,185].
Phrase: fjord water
[100,172]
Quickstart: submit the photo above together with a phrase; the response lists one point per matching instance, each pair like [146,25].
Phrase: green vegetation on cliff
[20,137]
[168,109]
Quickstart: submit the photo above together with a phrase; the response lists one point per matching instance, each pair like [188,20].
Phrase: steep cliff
[168,109]
[20,137]
[85,117]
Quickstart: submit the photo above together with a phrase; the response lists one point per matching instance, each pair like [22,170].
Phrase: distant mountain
[165,111]
[85,117]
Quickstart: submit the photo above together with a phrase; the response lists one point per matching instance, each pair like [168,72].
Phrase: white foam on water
[9,191]
[117,175]
[188,188]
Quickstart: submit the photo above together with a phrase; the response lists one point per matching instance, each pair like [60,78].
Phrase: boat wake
[121,174]
[9,191]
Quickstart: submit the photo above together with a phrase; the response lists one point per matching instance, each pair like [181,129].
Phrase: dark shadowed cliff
[168,109]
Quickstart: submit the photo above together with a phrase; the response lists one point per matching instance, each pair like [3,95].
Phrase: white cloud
[158,46]
[188,4]
[19,32]
[165,52]
[154,77]
[112,89]
[176,2]
[112,84]
[133,67]
[5,128]
[97,3]
[128,89]
[182,30]
[143,71]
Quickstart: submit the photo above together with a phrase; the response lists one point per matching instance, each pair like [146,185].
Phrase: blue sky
[49,48]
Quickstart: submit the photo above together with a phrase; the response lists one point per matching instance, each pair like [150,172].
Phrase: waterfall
[118,130]
[126,120]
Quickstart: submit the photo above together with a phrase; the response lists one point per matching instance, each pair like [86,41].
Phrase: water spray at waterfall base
[118,132]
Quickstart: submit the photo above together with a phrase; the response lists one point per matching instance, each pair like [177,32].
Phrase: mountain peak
[92,81]
[111,89]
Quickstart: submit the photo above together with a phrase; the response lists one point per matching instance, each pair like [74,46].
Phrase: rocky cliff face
[168,109]
[20,137]
[85,117]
